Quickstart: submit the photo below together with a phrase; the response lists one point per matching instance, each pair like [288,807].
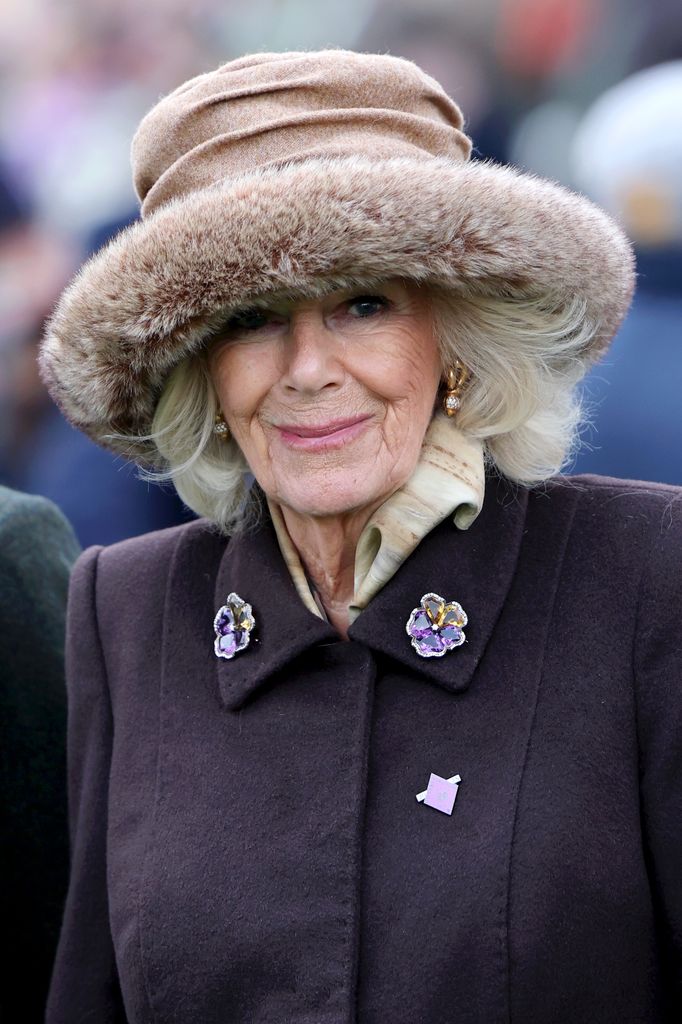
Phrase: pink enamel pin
[440,793]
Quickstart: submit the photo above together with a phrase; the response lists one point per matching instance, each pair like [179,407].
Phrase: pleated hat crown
[272,109]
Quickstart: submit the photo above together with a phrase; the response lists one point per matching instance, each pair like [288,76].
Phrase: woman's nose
[312,355]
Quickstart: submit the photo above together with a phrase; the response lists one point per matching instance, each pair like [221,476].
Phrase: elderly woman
[393,734]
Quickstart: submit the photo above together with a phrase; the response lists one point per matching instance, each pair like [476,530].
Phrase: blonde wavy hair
[521,401]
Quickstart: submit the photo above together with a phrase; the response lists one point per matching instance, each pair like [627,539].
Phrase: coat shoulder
[37,550]
[139,565]
[613,500]
[23,517]
[624,529]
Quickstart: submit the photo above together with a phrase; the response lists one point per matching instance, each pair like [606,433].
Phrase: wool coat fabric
[37,550]
[247,846]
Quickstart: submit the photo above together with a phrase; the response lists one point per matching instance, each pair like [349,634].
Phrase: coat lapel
[252,566]
[474,567]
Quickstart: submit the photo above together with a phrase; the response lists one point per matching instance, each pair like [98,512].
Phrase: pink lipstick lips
[323,436]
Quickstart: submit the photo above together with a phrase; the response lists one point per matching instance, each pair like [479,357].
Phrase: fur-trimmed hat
[304,171]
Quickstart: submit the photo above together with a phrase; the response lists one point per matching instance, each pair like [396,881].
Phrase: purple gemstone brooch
[233,624]
[436,626]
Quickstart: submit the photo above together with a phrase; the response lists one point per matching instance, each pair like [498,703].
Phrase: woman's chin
[336,494]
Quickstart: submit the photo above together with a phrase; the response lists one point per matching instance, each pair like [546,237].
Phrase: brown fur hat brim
[157,291]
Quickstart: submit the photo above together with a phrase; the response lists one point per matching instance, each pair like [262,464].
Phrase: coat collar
[475,568]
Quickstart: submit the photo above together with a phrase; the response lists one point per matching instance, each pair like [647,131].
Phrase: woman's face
[329,399]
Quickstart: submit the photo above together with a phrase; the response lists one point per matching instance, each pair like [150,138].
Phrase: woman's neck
[326,547]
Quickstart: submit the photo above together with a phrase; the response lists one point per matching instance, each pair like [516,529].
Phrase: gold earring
[220,427]
[456,379]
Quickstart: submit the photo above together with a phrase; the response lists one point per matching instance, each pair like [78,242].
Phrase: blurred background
[587,92]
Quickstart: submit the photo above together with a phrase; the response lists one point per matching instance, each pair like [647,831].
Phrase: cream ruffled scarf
[449,479]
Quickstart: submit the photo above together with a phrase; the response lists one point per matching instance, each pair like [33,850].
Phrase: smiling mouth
[333,434]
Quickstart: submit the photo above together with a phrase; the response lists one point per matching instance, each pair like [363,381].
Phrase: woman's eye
[248,320]
[367,305]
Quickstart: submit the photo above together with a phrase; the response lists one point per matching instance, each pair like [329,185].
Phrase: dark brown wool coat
[247,846]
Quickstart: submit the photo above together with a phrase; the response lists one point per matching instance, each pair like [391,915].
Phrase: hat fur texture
[155,293]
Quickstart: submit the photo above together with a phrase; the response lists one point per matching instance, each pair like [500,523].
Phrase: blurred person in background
[37,550]
[40,452]
[271,707]
[76,79]
[627,155]
[34,263]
